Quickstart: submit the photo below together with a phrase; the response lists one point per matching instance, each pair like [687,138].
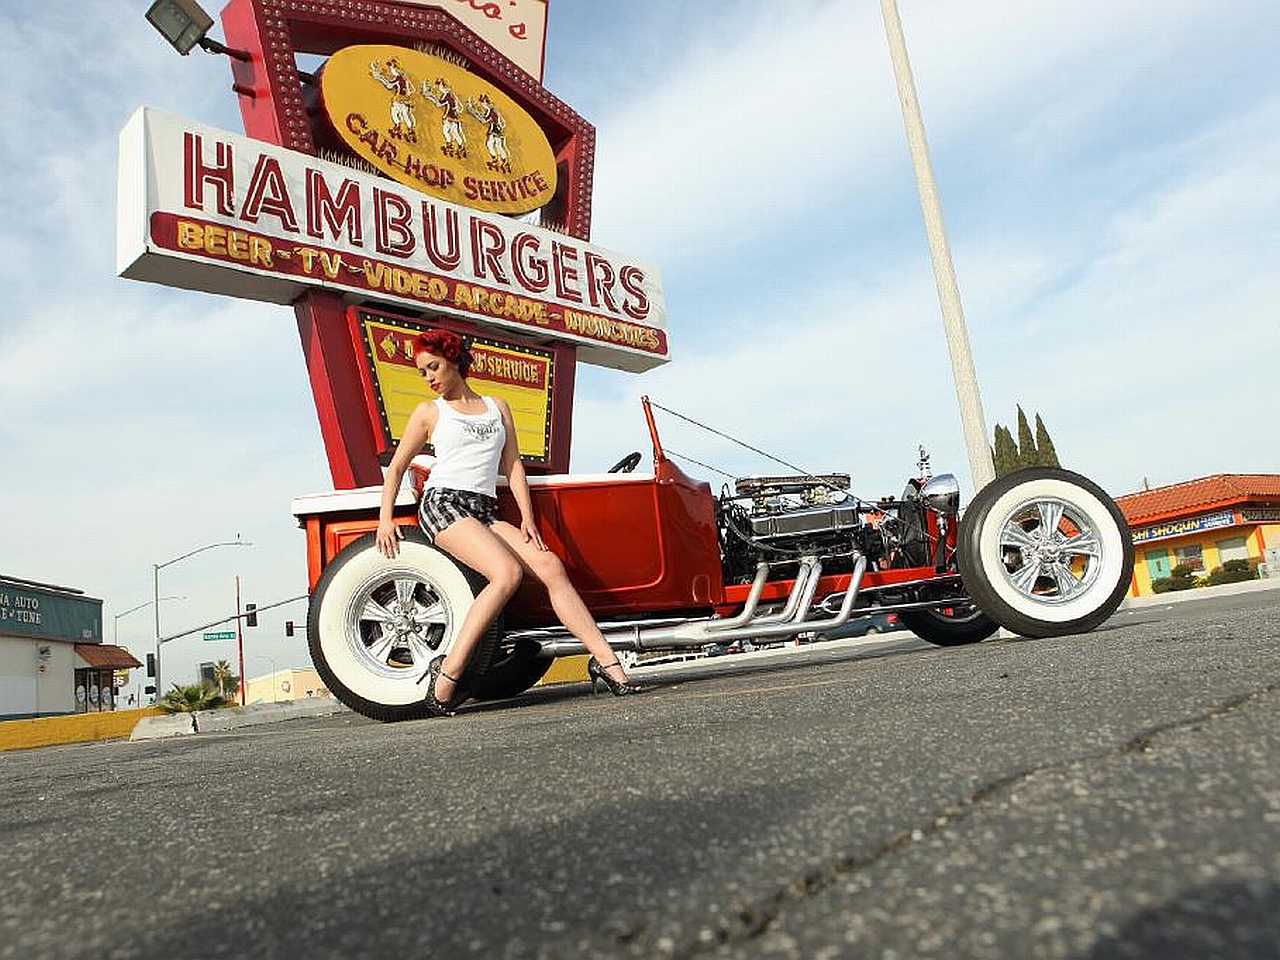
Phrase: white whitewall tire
[1045,552]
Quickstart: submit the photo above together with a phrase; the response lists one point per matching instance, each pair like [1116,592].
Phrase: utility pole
[240,638]
[971,417]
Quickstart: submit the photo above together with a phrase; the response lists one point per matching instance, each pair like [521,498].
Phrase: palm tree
[224,678]
[193,697]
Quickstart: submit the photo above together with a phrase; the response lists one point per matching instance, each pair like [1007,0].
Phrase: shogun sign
[208,210]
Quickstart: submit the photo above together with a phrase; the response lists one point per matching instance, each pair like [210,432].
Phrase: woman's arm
[421,422]
[513,470]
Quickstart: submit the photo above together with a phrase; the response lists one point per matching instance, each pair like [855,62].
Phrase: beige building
[52,658]
[281,685]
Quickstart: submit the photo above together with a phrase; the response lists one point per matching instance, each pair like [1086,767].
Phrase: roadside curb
[169,725]
[70,728]
[233,718]
[1201,593]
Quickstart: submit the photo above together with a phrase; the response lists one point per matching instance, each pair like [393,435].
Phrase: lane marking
[773,689]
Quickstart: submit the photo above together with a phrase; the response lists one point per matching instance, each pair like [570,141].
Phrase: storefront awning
[106,655]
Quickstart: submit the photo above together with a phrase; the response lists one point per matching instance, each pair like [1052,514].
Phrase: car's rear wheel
[949,626]
[375,624]
[513,671]
[1045,552]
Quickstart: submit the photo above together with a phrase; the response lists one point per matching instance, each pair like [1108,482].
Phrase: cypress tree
[1026,442]
[1048,456]
[1005,452]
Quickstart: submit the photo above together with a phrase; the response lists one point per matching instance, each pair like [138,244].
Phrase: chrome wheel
[1051,550]
[375,624]
[397,621]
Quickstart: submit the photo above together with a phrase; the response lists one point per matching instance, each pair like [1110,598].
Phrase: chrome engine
[779,519]
[787,508]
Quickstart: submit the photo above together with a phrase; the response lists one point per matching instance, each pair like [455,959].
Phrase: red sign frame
[273,97]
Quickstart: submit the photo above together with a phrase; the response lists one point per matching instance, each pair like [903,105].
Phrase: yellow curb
[73,728]
[566,670]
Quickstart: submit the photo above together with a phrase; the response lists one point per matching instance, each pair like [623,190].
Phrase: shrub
[188,699]
[1182,577]
[1234,571]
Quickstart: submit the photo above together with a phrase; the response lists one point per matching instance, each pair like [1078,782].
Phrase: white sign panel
[515,28]
[204,209]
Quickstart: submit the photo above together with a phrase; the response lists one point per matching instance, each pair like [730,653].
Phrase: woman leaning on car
[475,439]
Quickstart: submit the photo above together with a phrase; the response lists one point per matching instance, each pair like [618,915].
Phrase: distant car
[868,625]
[737,646]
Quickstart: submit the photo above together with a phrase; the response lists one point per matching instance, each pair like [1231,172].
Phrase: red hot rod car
[664,564]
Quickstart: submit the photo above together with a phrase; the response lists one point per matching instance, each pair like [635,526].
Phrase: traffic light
[151,664]
[250,614]
[288,628]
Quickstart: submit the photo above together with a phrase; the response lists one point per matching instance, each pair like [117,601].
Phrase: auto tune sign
[433,126]
[208,210]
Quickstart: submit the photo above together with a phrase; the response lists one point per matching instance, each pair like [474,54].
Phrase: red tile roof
[106,655]
[1198,496]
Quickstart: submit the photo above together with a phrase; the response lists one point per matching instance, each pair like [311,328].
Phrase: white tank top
[468,448]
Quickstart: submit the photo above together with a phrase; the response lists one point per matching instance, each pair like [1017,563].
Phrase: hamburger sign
[209,210]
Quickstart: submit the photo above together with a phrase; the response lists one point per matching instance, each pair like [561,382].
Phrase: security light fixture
[185,24]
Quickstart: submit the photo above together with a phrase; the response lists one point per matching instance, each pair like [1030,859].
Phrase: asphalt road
[1109,795]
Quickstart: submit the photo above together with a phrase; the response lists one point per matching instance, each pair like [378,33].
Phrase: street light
[274,671]
[185,24]
[115,631]
[971,417]
[157,567]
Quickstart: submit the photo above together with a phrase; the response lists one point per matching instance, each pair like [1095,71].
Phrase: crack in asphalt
[756,919]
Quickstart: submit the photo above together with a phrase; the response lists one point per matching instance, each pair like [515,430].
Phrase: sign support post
[240,638]
[972,420]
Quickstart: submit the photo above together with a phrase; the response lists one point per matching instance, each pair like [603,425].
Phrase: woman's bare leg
[474,544]
[565,600]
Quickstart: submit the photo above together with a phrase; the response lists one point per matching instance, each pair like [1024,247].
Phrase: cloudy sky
[1106,168]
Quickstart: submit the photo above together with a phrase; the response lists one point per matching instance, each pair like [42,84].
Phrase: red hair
[444,343]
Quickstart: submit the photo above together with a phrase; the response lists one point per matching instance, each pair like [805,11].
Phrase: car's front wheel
[1045,552]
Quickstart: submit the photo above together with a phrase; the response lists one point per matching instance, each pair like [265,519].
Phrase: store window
[1234,549]
[95,691]
[1191,555]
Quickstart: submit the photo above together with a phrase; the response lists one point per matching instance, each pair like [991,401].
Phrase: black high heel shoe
[435,670]
[624,688]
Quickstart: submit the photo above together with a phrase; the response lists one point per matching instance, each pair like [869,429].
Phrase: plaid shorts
[442,506]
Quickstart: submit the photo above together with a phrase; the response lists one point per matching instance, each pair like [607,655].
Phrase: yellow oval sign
[431,125]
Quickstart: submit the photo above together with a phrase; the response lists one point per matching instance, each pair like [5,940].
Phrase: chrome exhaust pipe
[753,600]
[810,567]
[695,633]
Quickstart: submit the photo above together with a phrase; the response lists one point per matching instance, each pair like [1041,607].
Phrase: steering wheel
[627,463]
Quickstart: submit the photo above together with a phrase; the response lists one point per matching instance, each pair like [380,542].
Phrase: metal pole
[155,599]
[240,638]
[156,586]
[971,417]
